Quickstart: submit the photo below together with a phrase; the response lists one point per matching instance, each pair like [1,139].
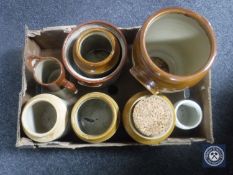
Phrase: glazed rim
[49,59]
[132,131]
[104,33]
[122,41]
[51,99]
[111,129]
[202,22]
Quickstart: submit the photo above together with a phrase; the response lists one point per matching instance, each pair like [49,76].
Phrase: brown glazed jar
[105,73]
[173,50]
[96,51]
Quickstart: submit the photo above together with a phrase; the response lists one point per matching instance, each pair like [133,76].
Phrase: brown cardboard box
[48,42]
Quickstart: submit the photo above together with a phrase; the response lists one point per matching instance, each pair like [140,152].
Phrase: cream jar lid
[149,119]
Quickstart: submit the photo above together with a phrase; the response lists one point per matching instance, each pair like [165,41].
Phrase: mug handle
[70,86]
[32,61]
[149,84]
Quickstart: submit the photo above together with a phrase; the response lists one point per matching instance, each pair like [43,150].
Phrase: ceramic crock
[173,50]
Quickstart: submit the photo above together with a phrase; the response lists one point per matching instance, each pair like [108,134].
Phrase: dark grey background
[128,160]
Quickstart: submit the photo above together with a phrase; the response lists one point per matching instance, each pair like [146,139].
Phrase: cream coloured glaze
[41,117]
[45,118]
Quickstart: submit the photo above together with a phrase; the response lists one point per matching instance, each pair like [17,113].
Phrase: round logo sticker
[214,156]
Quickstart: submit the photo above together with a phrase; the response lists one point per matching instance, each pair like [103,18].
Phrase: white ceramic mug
[45,118]
[188,114]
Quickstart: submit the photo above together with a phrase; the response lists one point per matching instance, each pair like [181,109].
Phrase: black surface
[128,160]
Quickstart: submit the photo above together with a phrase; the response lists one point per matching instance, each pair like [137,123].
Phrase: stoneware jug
[49,72]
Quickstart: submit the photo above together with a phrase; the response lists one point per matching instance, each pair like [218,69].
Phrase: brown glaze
[60,82]
[102,66]
[154,78]
[103,80]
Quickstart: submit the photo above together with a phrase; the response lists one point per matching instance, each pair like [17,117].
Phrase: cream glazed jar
[45,118]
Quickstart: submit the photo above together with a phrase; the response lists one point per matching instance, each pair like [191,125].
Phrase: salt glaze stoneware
[130,126]
[45,118]
[49,72]
[95,117]
[173,50]
[107,69]
[96,51]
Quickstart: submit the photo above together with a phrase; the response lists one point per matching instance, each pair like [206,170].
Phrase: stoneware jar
[149,119]
[95,117]
[94,53]
[173,50]
[44,118]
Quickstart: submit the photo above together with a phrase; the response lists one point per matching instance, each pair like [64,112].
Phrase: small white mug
[188,114]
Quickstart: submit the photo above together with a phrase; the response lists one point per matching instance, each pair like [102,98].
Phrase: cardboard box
[48,42]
